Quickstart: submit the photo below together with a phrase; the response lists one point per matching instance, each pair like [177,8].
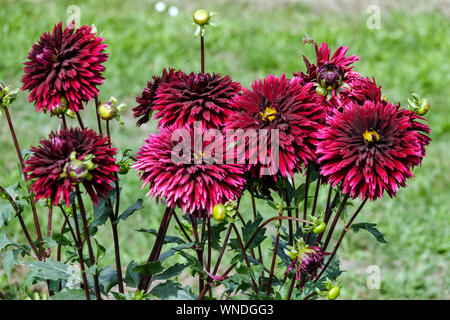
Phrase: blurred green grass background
[410,51]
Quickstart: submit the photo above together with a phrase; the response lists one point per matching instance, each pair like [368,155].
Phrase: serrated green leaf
[171,272]
[50,270]
[171,290]
[150,268]
[167,238]
[107,278]
[131,276]
[132,209]
[371,228]
[61,239]
[69,294]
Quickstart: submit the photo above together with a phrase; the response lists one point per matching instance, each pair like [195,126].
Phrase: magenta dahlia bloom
[277,103]
[305,259]
[70,157]
[147,99]
[196,97]
[65,64]
[188,181]
[371,148]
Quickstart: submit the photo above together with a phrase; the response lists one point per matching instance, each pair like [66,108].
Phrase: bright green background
[409,52]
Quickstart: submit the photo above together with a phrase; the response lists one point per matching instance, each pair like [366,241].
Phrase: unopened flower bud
[61,108]
[107,110]
[330,76]
[201,17]
[424,107]
[219,212]
[77,171]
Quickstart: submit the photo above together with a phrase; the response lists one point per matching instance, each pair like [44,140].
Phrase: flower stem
[305,201]
[79,245]
[144,282]
[88,241]
[247,262]
[291,287]
[259,246]
[22,224]
[336,218]
[80,121]
[202,50]
[99,121]
[22,165]
[344,231]
[274,255]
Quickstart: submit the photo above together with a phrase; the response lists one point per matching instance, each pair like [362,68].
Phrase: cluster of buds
[109,110]
[77,170]
[418,105]
[7,96]
[202,18]
[226,211]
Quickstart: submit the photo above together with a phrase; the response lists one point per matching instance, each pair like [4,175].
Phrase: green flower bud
[219,212]
[107,110]
[201,17]
[334,292]
[424,107]
[321,90]
[61,108]
[319,228]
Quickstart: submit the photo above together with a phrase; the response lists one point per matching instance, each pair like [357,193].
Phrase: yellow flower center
[269,114]
[371,136]
[198,154]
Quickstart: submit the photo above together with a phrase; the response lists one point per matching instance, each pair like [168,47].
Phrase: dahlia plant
[219,149]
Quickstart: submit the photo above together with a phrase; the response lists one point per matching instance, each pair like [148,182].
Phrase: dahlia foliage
[310,147]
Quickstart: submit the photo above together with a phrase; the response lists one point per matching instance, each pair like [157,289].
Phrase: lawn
[410,51]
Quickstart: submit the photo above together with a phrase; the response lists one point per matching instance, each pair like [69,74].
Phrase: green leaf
[167,238]
[107,279]
[5,241]
[171,272]
[171,290]
[50,270]
[150,268]
[132,209]
[69,294]
[6,213]
[300,194]
[215,235]
[371,228]
[172,251]
[61,239]
[250,228]
[101,213]
[131,276]
[9,261]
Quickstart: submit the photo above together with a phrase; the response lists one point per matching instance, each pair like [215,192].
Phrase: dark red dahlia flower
[306,259]
[65,64]
[363,89]
[332,77]
[371,148]
[190,181]
[196,97]
[329,72]
[147,99]
[70,157]
[286,110]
